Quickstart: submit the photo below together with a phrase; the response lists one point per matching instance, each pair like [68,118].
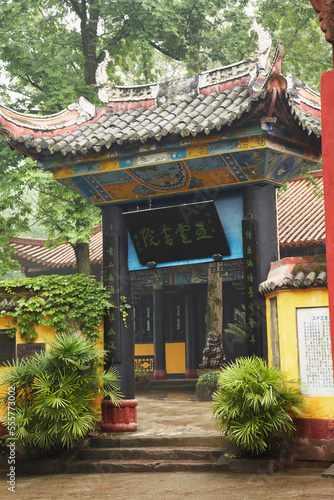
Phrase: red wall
[327,116]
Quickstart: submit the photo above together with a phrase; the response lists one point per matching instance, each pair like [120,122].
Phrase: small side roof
[301,222]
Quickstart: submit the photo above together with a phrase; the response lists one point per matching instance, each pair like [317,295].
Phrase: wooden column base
[191,373]
[159,375]
[122,418]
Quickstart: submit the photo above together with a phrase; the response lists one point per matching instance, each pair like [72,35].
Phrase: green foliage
[283,189]
[55,391]
[238,329]
[50,51]
[14,205]
[254,406]
[124,308]
[66,303]
[312,181]
[210,379]
[306,54]
[68,216]
[140,374]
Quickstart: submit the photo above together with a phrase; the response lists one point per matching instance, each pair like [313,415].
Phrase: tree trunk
[82,257]
[89,21]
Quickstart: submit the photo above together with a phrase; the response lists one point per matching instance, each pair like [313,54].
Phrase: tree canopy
[50,51]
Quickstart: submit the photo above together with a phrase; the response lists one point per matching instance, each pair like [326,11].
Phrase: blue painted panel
[83,185]
[86,168]
[231,212]
[223,146]
[230,208]
[178,153]
[128,161]
[113,177]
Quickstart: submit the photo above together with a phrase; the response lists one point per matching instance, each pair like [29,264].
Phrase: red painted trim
[315,428]
[273,101]
[229,85]
[191,373]
[127,105]
[33,128]
[159,375]
[327,116]
[122,418]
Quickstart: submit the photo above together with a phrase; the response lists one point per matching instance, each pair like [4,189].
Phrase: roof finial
[102,80]
[263,43]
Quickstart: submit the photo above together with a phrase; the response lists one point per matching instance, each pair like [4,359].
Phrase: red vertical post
[327,118]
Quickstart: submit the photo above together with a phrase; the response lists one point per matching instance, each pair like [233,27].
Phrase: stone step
[213,441]
[171,385]
[110,466]
[151,453]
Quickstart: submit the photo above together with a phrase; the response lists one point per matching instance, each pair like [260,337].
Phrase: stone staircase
[148,454]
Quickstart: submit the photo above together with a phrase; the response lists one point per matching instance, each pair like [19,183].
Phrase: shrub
[210,379]
[55,392]
[238,329]
[66,303]
[254,406]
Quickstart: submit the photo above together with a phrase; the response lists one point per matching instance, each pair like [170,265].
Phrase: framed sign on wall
[315,351]
[24,350]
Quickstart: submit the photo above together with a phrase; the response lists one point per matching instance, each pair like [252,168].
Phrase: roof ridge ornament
[104,85]
[73,115]
[325,9]
[85,109]
[264,43]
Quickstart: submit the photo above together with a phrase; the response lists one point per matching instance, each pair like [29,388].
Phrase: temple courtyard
[175,415]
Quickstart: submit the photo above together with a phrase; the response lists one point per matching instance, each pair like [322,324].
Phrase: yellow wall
[287,303]
[46,333]
[175,355]
[144,350]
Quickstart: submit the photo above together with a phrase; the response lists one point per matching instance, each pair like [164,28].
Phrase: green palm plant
[254,406]
[238,329]
[55,392]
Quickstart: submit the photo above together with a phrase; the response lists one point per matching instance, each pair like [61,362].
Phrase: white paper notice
[315,351]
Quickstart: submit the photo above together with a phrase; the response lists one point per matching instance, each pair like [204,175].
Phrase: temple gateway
[185,173]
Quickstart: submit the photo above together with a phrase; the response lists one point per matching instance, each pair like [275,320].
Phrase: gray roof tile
[190,115]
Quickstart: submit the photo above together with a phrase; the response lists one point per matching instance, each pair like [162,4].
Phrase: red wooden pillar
[327,117]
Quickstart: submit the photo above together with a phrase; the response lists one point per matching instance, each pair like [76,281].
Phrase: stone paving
[169,414]
[174,414]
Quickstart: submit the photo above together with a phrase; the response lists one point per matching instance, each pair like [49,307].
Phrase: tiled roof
[201,104]
[301,222]
[294,273]
[31,251]
[301,219]
[183,118]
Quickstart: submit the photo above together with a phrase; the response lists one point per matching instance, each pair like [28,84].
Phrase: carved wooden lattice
[144,364]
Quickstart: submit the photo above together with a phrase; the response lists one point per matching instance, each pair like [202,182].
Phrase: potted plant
[55,394]
[206,385]
[254,406]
